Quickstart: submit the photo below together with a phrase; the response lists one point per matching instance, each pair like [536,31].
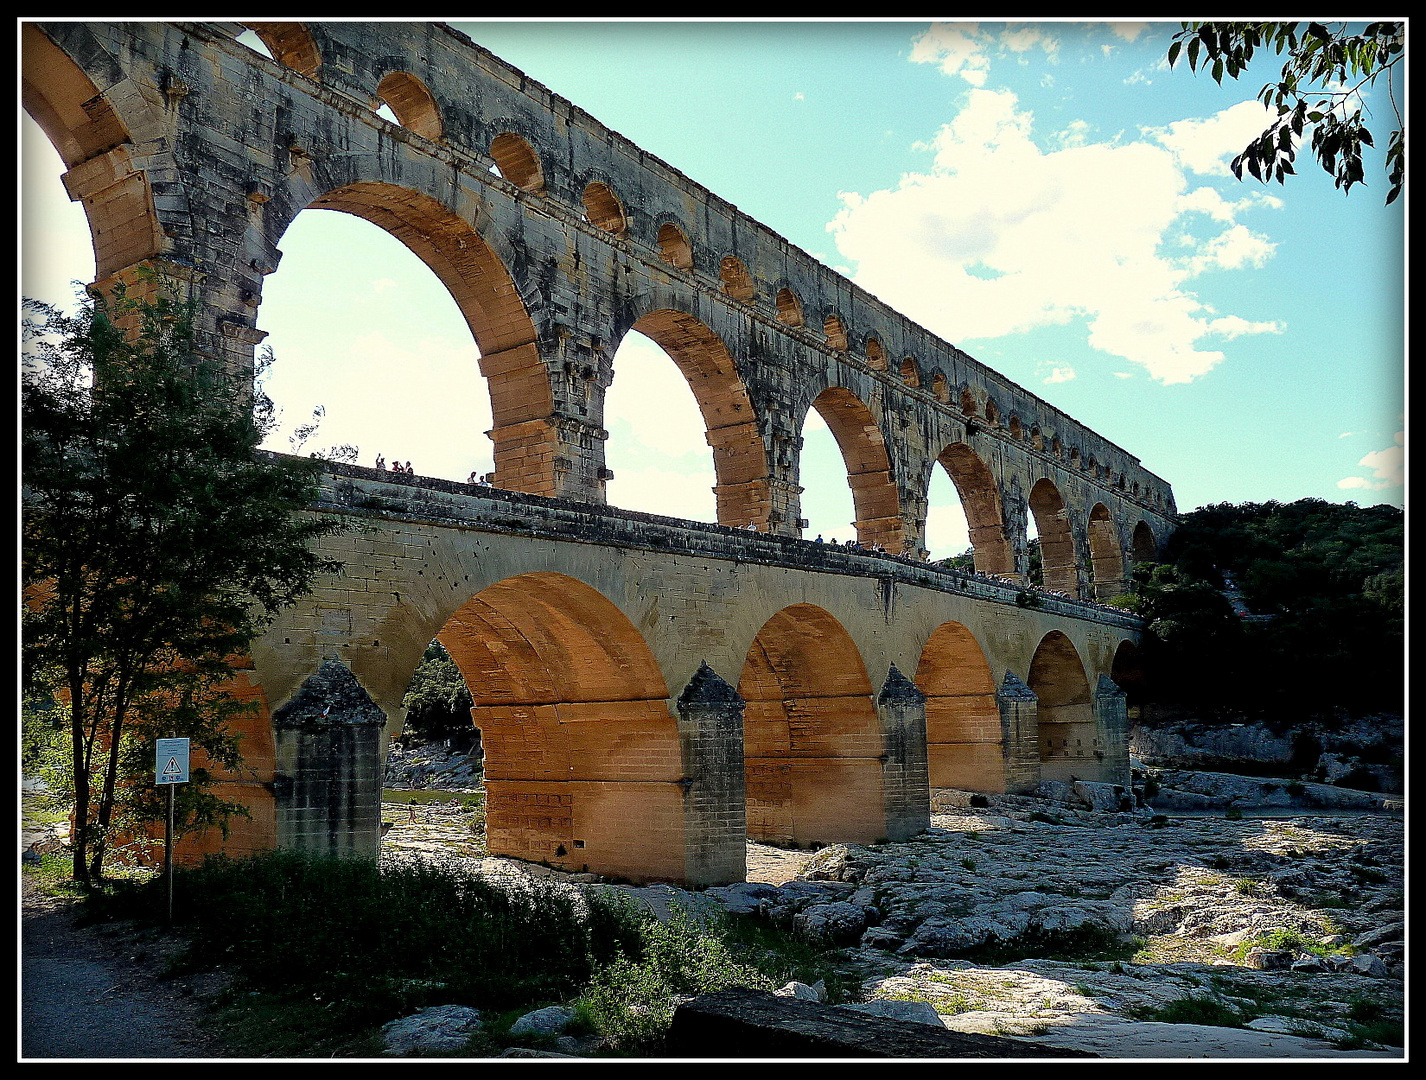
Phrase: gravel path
[88,994]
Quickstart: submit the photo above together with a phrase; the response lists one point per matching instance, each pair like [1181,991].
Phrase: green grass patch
[469,800]
[1283,940]
[1251,887]
[1192,1009]
[288,1024]
[53,875]
[1369,1023]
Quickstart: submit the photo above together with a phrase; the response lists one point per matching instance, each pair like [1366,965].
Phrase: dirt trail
[90,994]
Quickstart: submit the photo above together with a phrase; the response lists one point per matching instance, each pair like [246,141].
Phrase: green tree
[1323,78]
[964,561]
[1323,587]
[157,543]
[438,702]
[1193,645]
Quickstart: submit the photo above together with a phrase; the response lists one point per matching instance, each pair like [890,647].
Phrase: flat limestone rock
[754,1024]
[1117,1037]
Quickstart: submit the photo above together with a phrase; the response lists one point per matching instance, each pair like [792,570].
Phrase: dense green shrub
[375,942]
[1194,1009]
[631,1001]
[328,949]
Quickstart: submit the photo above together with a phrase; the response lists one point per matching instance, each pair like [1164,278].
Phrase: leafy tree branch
[1321,87]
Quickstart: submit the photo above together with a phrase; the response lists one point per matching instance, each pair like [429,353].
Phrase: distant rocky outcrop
[1364,753]
[433,765]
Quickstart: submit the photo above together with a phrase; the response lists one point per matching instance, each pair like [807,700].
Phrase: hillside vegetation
[1319,625]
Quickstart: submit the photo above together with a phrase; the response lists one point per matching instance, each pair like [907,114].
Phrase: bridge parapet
[360,491]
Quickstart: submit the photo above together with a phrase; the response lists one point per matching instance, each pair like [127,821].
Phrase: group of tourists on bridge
[396,466]
[854,545]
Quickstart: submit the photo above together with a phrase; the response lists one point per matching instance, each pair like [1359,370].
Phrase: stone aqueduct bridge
[648,689]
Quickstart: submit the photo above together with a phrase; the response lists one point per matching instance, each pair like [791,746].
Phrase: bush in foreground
[326,950]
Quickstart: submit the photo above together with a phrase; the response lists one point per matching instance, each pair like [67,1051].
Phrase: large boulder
[439,1029]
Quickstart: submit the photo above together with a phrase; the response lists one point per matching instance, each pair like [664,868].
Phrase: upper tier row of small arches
[403,98]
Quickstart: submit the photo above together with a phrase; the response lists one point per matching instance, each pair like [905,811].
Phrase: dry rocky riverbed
[1040,918]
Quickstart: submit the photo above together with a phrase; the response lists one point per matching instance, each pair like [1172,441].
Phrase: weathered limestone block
[902,709]
[710,728]
[1019,725]
[330,765]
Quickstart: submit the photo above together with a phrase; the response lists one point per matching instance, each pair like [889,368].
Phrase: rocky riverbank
[1364,753]
[1135,934]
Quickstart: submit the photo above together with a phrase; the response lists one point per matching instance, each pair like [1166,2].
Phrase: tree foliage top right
[1321,87]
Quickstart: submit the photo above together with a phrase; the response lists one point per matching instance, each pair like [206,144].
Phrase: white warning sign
[171,761]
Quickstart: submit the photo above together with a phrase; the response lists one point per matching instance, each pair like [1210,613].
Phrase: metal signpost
[171,768]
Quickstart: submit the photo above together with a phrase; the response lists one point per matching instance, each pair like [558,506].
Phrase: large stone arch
[812,737]
[730,421]
[1143,546]
[582,757]
[965,747]
[1105,555]
[875,499]
[980,501]
[95,143]
[1070,742]
[521,401]
[1052,520]
[1127,671]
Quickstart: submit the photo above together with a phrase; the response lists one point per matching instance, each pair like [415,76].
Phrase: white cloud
[1024,39]
[373,386]
[965,50]
[1387,467]
[655,490]
[650,401]
[1233,249]
[54,231]
[956,49]
[999,237]
[1207,146]
[1076,134]
[1232,326]
[1060,374]
[1129,31]
[947,533]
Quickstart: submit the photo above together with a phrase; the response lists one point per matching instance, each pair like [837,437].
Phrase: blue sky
[1050,197]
